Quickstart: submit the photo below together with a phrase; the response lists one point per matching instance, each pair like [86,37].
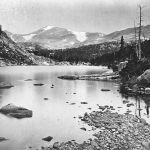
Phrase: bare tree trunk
[139,42]
[137,53]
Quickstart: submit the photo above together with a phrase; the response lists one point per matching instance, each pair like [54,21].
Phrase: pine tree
[122,47]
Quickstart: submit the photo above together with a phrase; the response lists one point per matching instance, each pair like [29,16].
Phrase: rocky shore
[113,132]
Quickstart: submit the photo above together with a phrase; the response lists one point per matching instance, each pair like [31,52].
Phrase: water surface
[55,116]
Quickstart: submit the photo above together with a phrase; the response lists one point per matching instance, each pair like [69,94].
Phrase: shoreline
[114,132]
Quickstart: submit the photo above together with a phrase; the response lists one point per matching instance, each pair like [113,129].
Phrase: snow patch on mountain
[48,28]
[72,43]
[11,36]
[101,34]
[28,37]
[81,36]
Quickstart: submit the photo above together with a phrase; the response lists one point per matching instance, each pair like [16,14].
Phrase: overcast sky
[106,16]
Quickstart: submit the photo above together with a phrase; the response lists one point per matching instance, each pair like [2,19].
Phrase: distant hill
[128,34]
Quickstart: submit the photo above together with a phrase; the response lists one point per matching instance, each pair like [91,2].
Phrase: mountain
[51,37]
[55,37]
[128,34]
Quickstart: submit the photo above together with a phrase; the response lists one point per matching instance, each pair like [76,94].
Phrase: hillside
[128,34]
[12,54]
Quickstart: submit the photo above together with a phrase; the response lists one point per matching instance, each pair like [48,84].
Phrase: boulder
[2,139]
[15,111]
[146,145]
[56,145]
[48,139]
[144,78]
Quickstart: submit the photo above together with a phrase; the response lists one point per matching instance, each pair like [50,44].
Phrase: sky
[105,16]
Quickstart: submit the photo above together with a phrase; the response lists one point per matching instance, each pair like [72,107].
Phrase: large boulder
[15,111]
[144,78]
[2,139]
[4,85]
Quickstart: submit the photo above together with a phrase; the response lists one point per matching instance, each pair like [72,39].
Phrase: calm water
[54,117]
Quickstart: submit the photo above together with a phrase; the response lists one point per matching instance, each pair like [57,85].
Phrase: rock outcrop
[144,78]
[122,65]
[17,112]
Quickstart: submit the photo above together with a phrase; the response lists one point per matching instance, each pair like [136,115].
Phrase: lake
[55,117]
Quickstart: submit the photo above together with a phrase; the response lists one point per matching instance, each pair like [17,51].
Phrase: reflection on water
[55,117]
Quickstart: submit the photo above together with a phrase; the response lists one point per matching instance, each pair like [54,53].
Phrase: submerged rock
[72,103]
[28,80]
[15,111]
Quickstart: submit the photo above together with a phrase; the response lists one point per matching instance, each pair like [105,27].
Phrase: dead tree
[140,27]
[135,36]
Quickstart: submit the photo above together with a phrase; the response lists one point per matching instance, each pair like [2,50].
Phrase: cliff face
[11,53]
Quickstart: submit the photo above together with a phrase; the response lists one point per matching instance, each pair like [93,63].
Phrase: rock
[48,139]
[105,90]
[2,139]
[131,104]
[17,115]
[146,145]
[14,111]
[38,84]
[93,143]
[144,78]
[122,65]
[68,77]
[56,145]
[4,85]
[83,102]
[83,129]
[102,107]
[125,101]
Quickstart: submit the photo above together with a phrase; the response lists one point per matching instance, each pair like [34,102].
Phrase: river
[56,116]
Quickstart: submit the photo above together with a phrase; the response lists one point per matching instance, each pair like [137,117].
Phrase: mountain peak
[48,28]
